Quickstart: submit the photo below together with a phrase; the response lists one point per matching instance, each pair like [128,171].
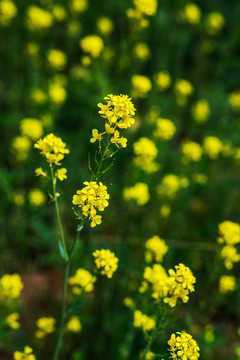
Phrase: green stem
[149,344]
[63,316]
[58,215]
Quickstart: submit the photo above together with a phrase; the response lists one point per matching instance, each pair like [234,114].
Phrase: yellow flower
[141,51]
[227,284]
[171,184]
[139,192]
[117,140]
[214,22]
[26,355]
[143,321]
[212,146]
[156,248]
[165,211]
[146,7]
[183,88]
[163,80]
[59,12]
[106,262]
[45,326]
[230,255]
[57,59]
[165,129]
[20,147]
[38,96]
[105,25]
[146,152]
[141,85]
[183,347]
[38,19]
[36,197]
[92,44]
[79,6]
[57,93]
[12,320]
[61,174]
[10,286]
[82,281]
[96,136]
[18,199]
[93,196]
[192,151]
[229,233]
[8,11]
[200,111]
[52,148]
[234,100]
[128,302]
[74,324]
[32,128]
[39,172]
[191,13]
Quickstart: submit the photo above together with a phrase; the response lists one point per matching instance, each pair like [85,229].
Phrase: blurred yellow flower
[57,93]
[105,25]
[143,321]
[18,199]
[171,184]
[106,261]
[59,12]
[8,11]
[214,22]
[165,129]
[79,6]
[165,210]
[20,147]
[13,320]
[191,13]
[156,249]
[57,59]
[74,324]
[141,51]
[92,44]
[45,326]
[227,283]
[192,151]
[234,100]
[10,286]
[200,111]
[183,88]
[38,96]
[141,85]
[38,19]
[146,153]
[163,80]
[36,197]
[32,128]
[128,302]
[212,146]
[146,7]
[82,281]
[26,355]
[139,192]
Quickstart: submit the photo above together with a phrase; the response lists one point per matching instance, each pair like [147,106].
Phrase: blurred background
[178,177]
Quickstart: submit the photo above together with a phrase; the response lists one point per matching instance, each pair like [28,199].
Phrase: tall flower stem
[63,242]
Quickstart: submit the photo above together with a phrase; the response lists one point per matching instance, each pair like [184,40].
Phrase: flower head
[143,321]
[139,192]
[92,44]
[82,281]
[183,347]
[10,286]
[156,249]
[106,262]
[45,326]
[27,354]
[13,320]
[74,324]
[52,148]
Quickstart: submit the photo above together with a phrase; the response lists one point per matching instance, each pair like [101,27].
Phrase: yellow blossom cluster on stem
[165,129]
[229,237]
[52,148]
[82,281]
[106,261]
[171,184]
[146,153]
[142,8]
[45,326]
[183,347]
[139,192]
[118,112]
[74,324]
[91,198]
[227,283]
[27,354]
[143,321]
[10,286]
[156,249]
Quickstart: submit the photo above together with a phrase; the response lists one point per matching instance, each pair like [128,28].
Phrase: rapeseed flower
[57,59]
[105,25]
[52,148]
[59,12]
[191,13]
[82,281]
[141,51]
[36,197]
[146,7]
[183,89]
[165,129]
[38,18]
[8,11]
[45,326]
[163,80]
[33,128]
[20,147]
[92,45]
[139,192]
[106,262]
[74,324]
[143,321]
[141,86]
[10,286]
[27,354]
[91,198]
[230,255]
[214,22]
[200,111]
[183,347]
[229,233]
[234,100]
[192,151]
[79,6]
[156,249]
[212,146]
[227,283]
[171,184]
[146,152]
[13,320]
[61,174]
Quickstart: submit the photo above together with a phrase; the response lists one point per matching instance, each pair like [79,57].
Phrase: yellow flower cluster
[27,354]
[139,192]
[8,11]
[10,286]
[141,86]
[13,320]
[171,184]
[57,59]
[212,146]
[183,89]
[156,249]
[57,91]
[106,262]
[45,325]
[163,80]
[146,152]
[192,151]
[143,321]
[74,324]
[52,148]
[91,198]
[227,283]
[172,287]
[118,112]
[38,19]
[141,51]
[36,197]
[33,128]
[82,281]
[229,237]
[79,6]
[234,100]
[214,22]
[92,45]
[20,147]
[183,347]
[191,13]
[142,8]
[165,129]
[200,111]
[105,25]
